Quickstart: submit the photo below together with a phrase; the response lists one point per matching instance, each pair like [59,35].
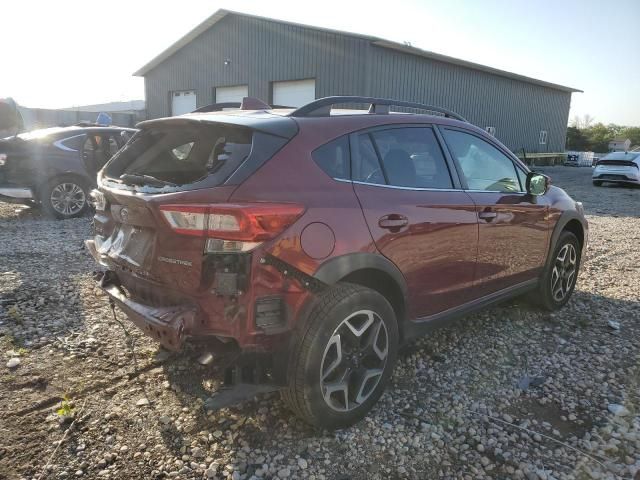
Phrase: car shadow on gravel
[586,312]
[194,384]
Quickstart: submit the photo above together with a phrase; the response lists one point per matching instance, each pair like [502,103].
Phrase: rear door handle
[393,220]
[487,215]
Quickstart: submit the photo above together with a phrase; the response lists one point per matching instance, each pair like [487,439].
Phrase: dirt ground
[511,392]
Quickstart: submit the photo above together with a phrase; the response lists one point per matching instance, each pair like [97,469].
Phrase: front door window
[484,166]
[512,225]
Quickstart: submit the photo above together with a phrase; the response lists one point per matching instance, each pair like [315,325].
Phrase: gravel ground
[511,392]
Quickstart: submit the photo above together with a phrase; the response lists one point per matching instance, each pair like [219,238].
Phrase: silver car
[618,167]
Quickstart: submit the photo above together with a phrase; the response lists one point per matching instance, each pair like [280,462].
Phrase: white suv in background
[618,167]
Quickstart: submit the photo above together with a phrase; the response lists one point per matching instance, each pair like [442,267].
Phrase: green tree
[632,133]
[576,139]
[599,137]
[584,135]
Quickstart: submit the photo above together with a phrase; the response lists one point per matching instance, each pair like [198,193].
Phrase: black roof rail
[248,103]
[322,106]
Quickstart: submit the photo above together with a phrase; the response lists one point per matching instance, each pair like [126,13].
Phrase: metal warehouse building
[231,55]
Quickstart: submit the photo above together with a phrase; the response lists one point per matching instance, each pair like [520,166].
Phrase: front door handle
[393,220]
[487,215]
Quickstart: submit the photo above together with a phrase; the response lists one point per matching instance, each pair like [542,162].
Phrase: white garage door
[183,102]
[295,93]
[231,94]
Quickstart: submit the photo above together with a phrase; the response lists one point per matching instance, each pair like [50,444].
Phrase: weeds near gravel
[15,344]
[66,407]
[15,314]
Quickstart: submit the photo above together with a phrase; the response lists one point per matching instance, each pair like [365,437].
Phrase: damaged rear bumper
[257,366]
[245,374]
[166,325]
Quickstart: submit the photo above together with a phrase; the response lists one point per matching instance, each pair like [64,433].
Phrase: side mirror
[537,183]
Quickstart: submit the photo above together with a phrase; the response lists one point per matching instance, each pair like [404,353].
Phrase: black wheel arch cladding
[337,268]
[561,225]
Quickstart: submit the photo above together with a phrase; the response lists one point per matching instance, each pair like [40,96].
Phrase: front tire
[64,197]
[559,278]
[343,357]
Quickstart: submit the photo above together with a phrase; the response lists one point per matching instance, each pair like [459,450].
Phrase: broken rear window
[176,156]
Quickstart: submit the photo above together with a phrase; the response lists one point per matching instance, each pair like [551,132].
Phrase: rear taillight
[187,219]
[246,222]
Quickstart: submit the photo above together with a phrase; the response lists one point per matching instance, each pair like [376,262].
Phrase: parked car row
[303,247]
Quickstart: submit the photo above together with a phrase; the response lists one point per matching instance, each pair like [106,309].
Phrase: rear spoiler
[261,121]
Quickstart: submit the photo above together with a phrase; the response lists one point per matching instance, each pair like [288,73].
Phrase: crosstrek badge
[175,261]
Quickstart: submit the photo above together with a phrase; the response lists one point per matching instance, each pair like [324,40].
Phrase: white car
[618,167]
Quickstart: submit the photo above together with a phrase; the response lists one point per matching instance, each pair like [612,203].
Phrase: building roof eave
[184,40]
[465,63]
[222,13]
[215,18]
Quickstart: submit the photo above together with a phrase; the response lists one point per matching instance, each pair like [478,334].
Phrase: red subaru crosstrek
[301,247]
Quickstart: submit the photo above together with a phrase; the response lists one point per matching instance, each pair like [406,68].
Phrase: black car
[57,167]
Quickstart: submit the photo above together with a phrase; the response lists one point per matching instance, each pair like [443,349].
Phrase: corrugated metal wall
[262,51]
[517,110]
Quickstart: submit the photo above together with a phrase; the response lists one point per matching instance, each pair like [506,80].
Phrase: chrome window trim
[396,187]
[420,189]
[495,191]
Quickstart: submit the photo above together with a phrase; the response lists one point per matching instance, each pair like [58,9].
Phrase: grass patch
[66,407]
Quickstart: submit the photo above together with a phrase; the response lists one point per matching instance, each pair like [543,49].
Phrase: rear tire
[64,197]
[343,357]
[559,278]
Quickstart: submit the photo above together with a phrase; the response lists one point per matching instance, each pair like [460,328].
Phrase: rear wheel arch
[372,271]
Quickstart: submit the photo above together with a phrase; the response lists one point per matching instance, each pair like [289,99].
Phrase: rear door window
[71,144]
[404,157]
[98,148]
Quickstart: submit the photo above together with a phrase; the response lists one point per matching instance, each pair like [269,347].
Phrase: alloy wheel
[563,274]
[67,199]
[354,360]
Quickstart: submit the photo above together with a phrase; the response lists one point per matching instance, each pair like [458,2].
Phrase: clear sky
[66,53]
